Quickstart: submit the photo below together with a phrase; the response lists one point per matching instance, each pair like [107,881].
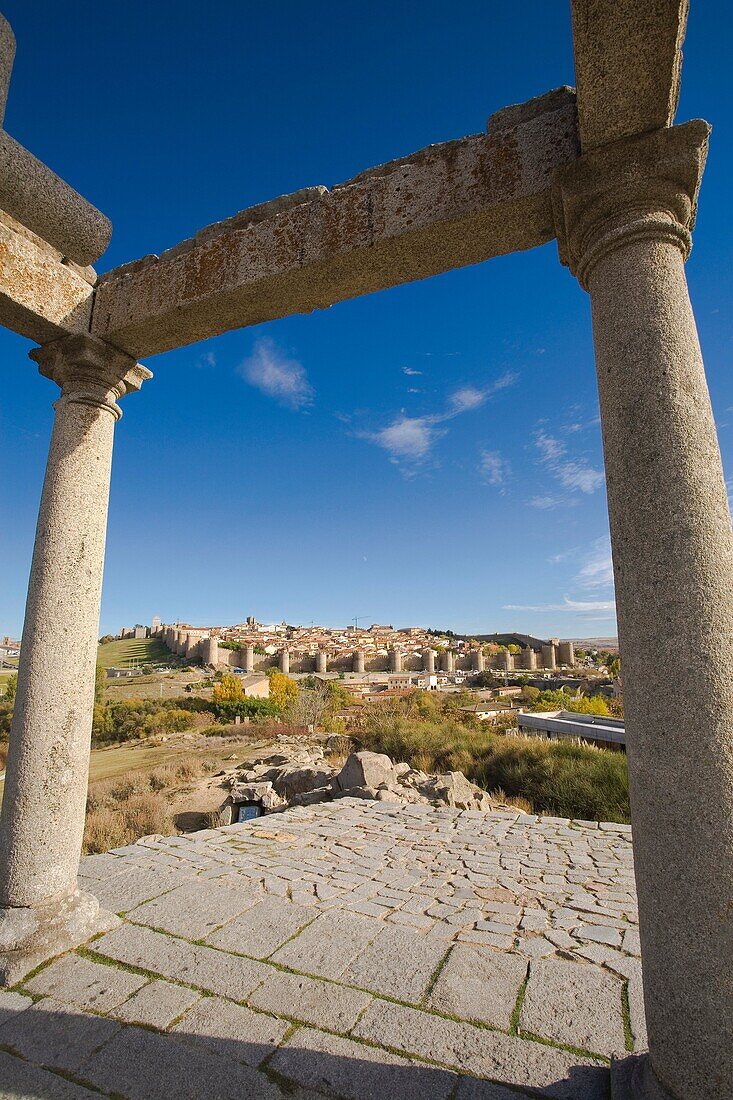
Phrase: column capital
[643,187]
[90,371]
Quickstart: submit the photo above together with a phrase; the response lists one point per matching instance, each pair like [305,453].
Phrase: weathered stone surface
[202,967]
[141,1065]
[11,1004]
[479,984]
[221,1027]
[39,199]
[194,912]
[328,946]
[7,56]
[340,1067]
[446,206]
[627,66]
[482,1052]
[262,929]
[21,1079]
[86,984]
[398,963]
[40,297]
[56,1035]
[366,769]
[627,217]
[323,1004]
[574,1004]
[133,887]
[157,1004]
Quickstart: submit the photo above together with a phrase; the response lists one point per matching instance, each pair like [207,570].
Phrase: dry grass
[113,826]
[120,811]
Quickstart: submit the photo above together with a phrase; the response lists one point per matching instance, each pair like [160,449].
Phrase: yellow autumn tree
[228,690]
[283,690]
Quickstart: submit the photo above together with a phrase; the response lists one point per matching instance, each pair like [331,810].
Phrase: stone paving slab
[480,985]
[398,963]
[194,913]
[220,1027]
[483,1052]
[263,928]
[86,984]
[157,1004]
[22,1079]
[142,1065]
[310,1001]
[574,1004]
[339,1067]
[353,950]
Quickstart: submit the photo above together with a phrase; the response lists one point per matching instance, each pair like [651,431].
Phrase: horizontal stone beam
[445,207]
[627,66]
[41,297]
[40,200]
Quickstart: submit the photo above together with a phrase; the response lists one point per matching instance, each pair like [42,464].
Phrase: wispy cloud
[547,503]
[494,469]
[208,359]
[277,376]
[411,371]
[568,604]
[574,474]
[596,570]
[408,440]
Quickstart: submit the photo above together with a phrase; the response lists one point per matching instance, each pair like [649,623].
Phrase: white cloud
[493,468]
[208,359]
[410,371]
[546,503]
[574,474]
[465,399]
[271,372]
[597,569]
[578,475]
[407,438]
[567,605]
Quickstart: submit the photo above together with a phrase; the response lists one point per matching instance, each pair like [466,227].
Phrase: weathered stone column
[624,215]
[41,910]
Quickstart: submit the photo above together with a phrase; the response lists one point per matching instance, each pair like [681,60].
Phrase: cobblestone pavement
[354,949]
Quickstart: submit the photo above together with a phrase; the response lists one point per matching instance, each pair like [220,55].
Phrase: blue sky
[430,454]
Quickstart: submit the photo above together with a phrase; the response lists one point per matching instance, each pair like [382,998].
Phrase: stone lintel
[627,66]
[41,297]
[444,207]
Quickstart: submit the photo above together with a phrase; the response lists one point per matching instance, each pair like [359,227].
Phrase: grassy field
[169,686]
[137,758]
[131,652]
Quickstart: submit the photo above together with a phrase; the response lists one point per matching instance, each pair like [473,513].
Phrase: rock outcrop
[299,774]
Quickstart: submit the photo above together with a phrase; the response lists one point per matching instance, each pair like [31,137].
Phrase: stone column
[249,658]
[284,661]
[624,214]
[42,912]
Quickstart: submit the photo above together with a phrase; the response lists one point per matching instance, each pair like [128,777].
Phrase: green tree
[100,682]
[11,685]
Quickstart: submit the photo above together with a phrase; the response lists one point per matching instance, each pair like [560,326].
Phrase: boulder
[338,744]
[293,781]
[455,791]
[366,769]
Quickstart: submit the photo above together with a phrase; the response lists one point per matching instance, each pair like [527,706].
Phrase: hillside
[131,652]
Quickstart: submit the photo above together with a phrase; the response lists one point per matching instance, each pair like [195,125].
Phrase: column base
[634,1079]
[29,935]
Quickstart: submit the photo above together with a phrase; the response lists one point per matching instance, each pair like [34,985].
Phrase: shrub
[566,779]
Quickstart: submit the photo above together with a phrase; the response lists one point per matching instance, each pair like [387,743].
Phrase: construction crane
[356,619]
